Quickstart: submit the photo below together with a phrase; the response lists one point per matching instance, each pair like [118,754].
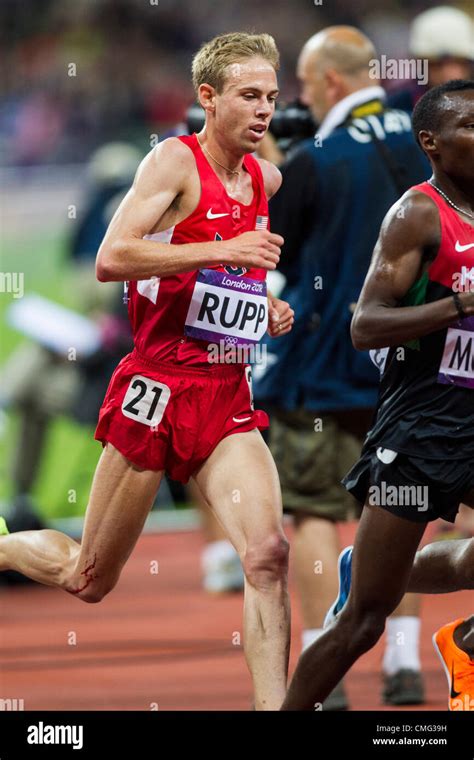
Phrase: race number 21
[145,400]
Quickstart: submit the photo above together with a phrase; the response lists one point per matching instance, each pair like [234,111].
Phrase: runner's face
[455,140]
[246,104]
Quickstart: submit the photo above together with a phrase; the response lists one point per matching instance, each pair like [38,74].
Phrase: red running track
[159,641]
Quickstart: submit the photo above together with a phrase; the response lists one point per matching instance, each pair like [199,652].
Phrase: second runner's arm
[409,237]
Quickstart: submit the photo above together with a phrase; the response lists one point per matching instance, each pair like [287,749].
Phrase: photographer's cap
[442,31]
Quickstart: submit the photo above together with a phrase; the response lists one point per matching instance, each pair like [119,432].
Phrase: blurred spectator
[41,384]
[443,36]
[131,60]
[76,75]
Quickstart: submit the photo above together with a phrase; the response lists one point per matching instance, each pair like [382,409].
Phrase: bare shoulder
[271,176]
[413,218]
[170,162]
[174,150]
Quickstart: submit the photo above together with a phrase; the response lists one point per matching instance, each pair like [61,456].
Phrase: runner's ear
[428,142]
[206,97]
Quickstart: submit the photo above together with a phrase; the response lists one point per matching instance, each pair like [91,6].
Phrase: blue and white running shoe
[344,569]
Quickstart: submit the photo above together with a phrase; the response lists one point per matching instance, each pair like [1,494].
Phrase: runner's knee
[266,561]
[364,627]
[89,585]
[93,592]
[365,617]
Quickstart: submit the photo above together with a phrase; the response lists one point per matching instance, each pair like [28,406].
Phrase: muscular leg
[384,549]
[121,497]
[443,566]
[211,527]
[240,483]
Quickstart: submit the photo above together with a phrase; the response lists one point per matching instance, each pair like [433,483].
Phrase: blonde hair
[210,62]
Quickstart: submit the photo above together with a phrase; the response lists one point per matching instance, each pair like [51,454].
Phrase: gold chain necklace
[230,171]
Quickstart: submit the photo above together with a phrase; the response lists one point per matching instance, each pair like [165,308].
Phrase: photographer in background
[320,392]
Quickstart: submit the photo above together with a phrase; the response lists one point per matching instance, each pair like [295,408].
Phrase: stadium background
[132,82]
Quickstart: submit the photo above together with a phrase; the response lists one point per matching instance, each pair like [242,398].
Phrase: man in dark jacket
[337,188]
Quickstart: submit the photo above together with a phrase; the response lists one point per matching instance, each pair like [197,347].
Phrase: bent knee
[266,561]
[365,626]
[92,594]
[90,588]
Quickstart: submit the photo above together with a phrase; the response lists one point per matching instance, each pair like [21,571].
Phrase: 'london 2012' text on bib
[224,306]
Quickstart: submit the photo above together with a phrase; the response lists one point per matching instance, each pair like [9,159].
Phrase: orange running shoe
[458,666]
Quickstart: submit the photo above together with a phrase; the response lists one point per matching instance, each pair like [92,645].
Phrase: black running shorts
[411,487]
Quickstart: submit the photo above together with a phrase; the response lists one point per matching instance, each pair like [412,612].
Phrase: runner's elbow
[364,332]
[359,332]
[107,268]
[102,271]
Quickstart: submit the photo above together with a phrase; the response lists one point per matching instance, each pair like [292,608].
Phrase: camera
[291,123]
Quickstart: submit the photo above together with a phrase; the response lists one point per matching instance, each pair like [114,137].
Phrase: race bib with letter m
[224,305]
[457,364]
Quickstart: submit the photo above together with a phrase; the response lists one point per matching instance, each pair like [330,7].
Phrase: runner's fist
[258,249]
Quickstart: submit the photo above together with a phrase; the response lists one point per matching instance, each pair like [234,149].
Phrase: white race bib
[226,306]
[457,364]
[145,400]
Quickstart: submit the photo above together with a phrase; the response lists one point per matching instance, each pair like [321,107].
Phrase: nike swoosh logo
[454,693]
[461,248]
[210,215]
[242,419]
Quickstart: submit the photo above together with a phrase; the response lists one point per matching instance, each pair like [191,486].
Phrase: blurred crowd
[78,74]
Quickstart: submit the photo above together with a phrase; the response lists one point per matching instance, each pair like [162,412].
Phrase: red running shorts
[171,417]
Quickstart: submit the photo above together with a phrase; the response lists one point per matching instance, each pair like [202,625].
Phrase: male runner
[453,642]
[416,463]
[191,238]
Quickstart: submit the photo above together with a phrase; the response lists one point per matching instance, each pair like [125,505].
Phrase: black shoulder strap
[396,169]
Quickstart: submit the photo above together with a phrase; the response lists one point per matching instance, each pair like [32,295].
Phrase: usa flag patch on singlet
[261,223]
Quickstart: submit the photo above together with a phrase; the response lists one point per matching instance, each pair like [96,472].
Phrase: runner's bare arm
[272,178]
[410,235]
[281,315]
[160,179]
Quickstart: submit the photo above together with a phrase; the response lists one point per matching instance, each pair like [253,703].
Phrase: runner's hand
[258,249]
[280,317]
